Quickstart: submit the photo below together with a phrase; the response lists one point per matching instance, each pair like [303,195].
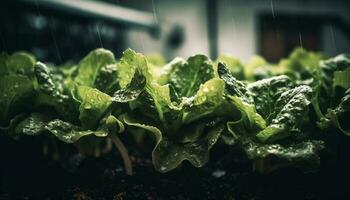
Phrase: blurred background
[58,30]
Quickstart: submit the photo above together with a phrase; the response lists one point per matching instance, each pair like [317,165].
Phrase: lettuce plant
[277,114]
[180,110]
[73,105]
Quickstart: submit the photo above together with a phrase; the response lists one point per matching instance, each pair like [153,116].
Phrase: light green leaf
[234,65]
[209,96]
[89,67]
[94,104]
[252,120]
[132,90]
[129,64]
[342,79]
[20,63]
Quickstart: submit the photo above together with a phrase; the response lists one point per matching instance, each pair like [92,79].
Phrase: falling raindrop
[234,26]
[37,7]
[52,28]
[154,12]
[98,34]
[272,9]
[333,37]
[142,42]
[300,40]
[3,44]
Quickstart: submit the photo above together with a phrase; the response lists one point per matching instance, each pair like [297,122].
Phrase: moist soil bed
[27,174]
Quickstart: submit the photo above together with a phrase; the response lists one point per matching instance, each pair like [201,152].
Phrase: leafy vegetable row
[276,113]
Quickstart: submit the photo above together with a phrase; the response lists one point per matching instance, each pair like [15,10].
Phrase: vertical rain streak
[272,8]
[333,37]
[154,12]
[142,42]
[300,40]
[52,27]
[98,34]
[233,21]
[3,45]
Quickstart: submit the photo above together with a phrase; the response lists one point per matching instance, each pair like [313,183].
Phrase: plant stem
[123,152]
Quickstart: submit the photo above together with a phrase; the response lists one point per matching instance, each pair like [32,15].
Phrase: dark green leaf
[234,87]
[339,116]
[304,155]
[132,90]
[288,114]
[266,92]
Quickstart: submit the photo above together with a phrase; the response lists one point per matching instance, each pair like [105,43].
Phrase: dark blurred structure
[279,36]
[58,30]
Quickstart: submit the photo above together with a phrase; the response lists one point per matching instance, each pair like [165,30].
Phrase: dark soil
[27,174]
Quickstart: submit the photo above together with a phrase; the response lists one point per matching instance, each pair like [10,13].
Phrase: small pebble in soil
[218,173]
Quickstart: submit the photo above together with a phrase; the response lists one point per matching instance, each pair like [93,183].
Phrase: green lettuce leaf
[175,109]
[242,100]
[265,93]
[132,90]
[300,60]
[93,105]
[39,123]
[89,68]
[20,63]
[342,79]
[339,116]
[129,64]
[169,153]
[187,78]
[272,109]
[234,87]
[207,99]
[269,157]
[186,105]
[288,114]
[252,69]
[234,65]
[330,84]
[53,92]
[16,96]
